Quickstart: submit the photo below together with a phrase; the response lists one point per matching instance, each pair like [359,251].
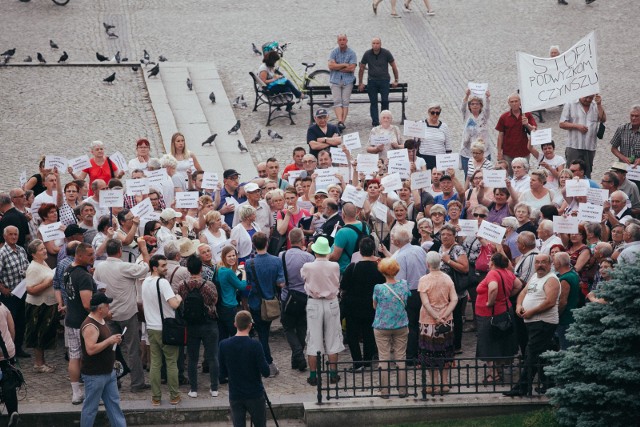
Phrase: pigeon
[189,84]
[162,58]
[9,52]
[236,102]
[243,103]
[212,97]
[255,49]
[284,46]
[135,68]
[146,55]
[112,35]
[154,71]
[125,59]
[235,128]
[110,79]
[108,27]
[53,44]
[210,139]
[41,58]
[63,58]
[242,148]
[117,57]
[257,137]
[274,135]
[101,58]
[28,59]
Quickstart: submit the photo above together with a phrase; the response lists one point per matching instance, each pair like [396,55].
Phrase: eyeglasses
[434,113]
[437,213]
[308,161]
[477,152]
[477,215]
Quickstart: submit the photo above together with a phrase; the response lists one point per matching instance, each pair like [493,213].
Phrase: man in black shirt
[12,216]
[377,60]
[322,135]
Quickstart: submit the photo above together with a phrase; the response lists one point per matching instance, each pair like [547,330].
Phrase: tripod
[273,414]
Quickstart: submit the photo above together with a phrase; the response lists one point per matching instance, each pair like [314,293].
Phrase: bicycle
[318,77]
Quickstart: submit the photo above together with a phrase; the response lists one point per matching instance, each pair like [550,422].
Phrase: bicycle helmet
[269,46]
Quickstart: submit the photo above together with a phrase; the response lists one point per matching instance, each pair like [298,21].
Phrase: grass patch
[542,418]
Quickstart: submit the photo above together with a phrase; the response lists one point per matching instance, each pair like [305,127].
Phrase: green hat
[321,246]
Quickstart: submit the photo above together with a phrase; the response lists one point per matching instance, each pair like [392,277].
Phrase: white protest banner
[402,154]
[187,199]
[137,186]
[58,162]
[152,216]
[391,182]
[478,89]
[547,82]
[51,232]
[633,173]
[293,175]
[326,172]
[367,163]
[142,209]
[231,201]
[344,171]
[567,225]
[217,249]
[379,139]
[446,161]
[338,156]
[156,176]
[351,141]
[415,129]
[597,196]
[401,167]
[492,232]
[351,194]
[421,179]
[79,163]
[379,211]
[541,136]
[210,180]
[111,198]
[494,179]
[576,188]
[468,227]
[23,178]
[590,212]
[119,161]
[325,181]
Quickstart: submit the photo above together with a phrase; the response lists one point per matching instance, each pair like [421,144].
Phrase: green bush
[598,378]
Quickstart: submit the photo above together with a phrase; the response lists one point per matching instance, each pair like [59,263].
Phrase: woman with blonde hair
[213,235]
[183,156]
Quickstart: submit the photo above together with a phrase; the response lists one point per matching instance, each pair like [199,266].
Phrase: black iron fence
[408,378]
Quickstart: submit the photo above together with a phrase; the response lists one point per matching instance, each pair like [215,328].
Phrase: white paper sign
[338,156]
[590,212]
[541,136]
[119,161]
[421,179]
[492,232]
[633,173]
[401,155]
[293,175]
[187,199]
[597,196]
[142,209]
[567,225]
[156,177]
[351,141]
[111,198]
[446,161]
[80,163]
[391,182]
[494,179]
[231,201]
[401,167]
[478,89]
[59,162]
[576,188]
[138,186]
[417,129]
[23,178]
[380,139]
[351,194]
[547,82]
[20,288]
[380,211]
[51,232]
[217,249]
[367,163]
[210,180]
[325,181]
[468,227]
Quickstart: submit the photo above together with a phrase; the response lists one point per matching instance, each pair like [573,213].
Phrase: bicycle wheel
[61,2]
[318,78]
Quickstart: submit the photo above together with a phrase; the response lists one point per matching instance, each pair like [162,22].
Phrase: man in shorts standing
[342,64]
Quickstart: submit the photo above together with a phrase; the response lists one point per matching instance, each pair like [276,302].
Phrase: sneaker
[141,388]
[155,402]
[341,126]
[44,369]
[14,419]
[312,381]
[193,394]
[214,393]
[77,400]
[273,370]
[430,13]
[357,368]
[175,400]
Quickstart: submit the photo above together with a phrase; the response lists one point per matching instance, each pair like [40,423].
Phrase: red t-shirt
[483,292]
[100,172]
[291,167]
[293,221]
[515,140]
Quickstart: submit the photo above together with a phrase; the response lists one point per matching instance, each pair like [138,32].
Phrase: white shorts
[341,95]
[324,331]
[73,343]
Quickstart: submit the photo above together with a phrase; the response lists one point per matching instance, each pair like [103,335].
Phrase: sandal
[395,15]
[490,379]
[407,8]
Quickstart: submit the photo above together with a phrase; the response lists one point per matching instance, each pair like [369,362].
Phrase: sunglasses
[434,113]
[437,213]
[476,215]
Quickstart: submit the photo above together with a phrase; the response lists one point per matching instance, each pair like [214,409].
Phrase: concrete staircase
[178,109]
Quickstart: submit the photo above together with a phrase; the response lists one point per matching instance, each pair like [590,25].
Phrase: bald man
[377,60]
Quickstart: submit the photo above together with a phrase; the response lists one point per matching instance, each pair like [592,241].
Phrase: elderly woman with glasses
[475,116]
[437,139]
[143,154]
[437,215]
[425,228]
[478,161]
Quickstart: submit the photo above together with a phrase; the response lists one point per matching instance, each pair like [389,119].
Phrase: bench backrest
[258,84]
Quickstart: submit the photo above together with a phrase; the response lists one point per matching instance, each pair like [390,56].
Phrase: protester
[9,394]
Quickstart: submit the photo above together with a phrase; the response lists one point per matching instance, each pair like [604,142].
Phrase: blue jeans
[262,328]
[103,387]
[375,87]
[208,334]
[561,333]
[287,87]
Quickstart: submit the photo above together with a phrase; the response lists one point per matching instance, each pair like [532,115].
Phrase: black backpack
[194,311]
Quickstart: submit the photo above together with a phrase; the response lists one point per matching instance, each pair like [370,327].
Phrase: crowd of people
[327,240]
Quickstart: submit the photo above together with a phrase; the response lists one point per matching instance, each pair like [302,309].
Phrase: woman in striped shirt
[437,139]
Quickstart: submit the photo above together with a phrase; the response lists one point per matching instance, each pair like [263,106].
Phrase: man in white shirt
[168,219]
[546,236]
[97,186]
[263,214]
[520,180]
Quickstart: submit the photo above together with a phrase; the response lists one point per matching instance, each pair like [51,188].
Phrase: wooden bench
[321,96]
[277,102]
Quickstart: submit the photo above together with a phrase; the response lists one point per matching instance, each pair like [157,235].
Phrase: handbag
[460,280]
[276,240]
[601,129]
[502,323]
[443,328]
[269,308]
[296,302]
[12,377]
[174,331]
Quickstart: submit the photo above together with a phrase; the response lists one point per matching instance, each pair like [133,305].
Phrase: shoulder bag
[296,302]
[269,308]
[460,280]
[12,377]
[502,324]
[276,240]
[174,331]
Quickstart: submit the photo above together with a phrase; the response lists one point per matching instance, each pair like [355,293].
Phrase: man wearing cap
[230,190]
[98,358]
[447,184]
[121,278]
[168,219]
[626,186]
[342,66]
[581,119]
[254,199]
[324,331]
[322,134]
[625,144]
[12,216]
